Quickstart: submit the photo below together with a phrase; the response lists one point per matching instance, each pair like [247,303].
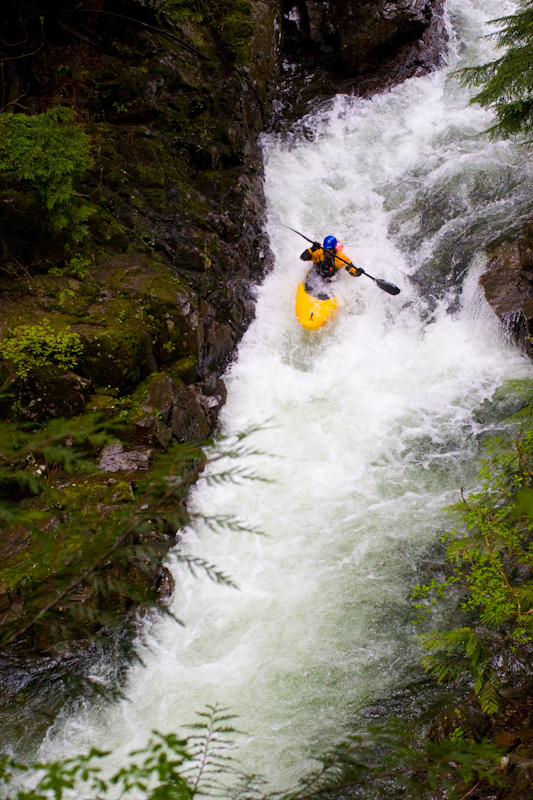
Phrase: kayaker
[326,260]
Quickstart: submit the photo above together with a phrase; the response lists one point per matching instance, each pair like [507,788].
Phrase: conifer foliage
[491,567]
[507,82]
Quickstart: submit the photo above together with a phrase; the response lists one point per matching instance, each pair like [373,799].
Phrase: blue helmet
[330,243]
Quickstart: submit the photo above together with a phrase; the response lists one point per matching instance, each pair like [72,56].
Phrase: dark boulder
[361,47]
[508,286]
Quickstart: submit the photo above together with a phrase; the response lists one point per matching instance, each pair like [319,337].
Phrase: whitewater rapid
[366,428]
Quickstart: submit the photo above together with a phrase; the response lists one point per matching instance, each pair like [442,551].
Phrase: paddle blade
[387,287]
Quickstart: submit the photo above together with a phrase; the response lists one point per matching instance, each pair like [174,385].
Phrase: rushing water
[367,427]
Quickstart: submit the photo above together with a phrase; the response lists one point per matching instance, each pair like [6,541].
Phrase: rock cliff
[508,286]
[360,47]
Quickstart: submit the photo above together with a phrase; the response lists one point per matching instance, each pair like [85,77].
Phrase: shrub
[44,154]
[28,347]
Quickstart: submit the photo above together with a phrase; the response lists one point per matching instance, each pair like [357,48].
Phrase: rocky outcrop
[360,47]
[157,283]
[508,286]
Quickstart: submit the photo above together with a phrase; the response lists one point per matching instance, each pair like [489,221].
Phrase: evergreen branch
[226,522]
[506,81]
[196,563]
[206,761]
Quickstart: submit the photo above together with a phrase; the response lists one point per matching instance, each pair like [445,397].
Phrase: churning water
[367,426]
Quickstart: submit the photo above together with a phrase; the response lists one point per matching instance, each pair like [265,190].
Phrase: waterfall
[365,429]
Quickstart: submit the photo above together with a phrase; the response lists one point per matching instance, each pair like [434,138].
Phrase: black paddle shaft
[385,285]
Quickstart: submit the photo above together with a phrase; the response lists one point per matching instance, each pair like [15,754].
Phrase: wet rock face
[176,239]
[368,45]
[508,286]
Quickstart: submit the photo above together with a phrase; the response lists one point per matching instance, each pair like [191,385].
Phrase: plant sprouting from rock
[29,347]
[45,154]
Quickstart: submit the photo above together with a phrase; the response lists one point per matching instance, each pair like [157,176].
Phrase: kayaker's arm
[353,270]
[348,266]
[307,255]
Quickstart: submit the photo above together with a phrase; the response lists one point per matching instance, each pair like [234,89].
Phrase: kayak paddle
[385,285]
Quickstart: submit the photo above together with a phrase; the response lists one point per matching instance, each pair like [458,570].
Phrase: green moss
[68,296]
[84,496]
[149,176]
[184,369]
[56,545]
[115,355]
[238,28]
[105,401]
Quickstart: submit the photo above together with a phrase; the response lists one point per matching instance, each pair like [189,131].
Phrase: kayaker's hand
[355,271]
[315,246]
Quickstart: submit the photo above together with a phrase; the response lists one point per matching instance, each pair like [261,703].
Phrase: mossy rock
[108,404]
[172,313]
[507,400]
[55,547]
[184,369]
[46,393]
[164,409]
[69,297]
[116,356]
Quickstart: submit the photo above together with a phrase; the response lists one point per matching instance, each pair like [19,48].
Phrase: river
[366,429]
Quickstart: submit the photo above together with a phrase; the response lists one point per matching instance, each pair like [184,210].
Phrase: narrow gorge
[210,128]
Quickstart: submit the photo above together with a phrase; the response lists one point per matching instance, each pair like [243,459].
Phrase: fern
[210,747]
[488,693]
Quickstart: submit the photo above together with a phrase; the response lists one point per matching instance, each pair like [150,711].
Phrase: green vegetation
[179,10]
[167,768]
[28,347]
[205,763]
[490,557]
[54,546]
[45,154]
[507,81]
[238,28]
[232,16]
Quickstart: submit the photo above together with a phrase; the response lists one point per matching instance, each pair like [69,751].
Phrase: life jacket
[327,265]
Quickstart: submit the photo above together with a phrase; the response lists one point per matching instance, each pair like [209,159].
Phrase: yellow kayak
[314,312]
